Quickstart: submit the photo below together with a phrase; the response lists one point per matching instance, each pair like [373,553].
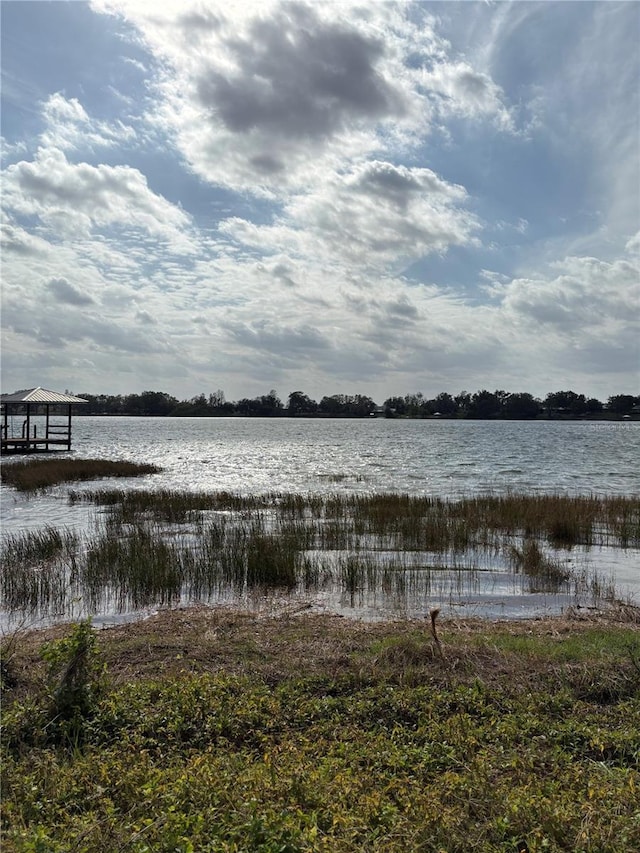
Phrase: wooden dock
[33,445]
[29,422]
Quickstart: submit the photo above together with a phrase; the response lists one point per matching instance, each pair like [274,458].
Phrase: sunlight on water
[447,459]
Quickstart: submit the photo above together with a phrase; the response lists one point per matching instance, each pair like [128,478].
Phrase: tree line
[481,405]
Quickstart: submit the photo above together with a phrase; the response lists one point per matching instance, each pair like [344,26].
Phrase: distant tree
[344,405]
[300,404]
[395,406]
[415,404]
[484,404]
[218,404]
[267,406]
[336,404]
[361,405]
[217,399]
[444,404]
[622,404]
[149,403]
[157,403]
[248,407]
[196,407]
[463,401]
[565,403]
[132,405]
[521,406]
[593,406]
[101,404]
[271,404]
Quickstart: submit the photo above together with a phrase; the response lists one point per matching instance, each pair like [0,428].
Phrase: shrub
[75,682]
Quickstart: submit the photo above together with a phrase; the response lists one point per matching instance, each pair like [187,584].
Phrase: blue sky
[376,198]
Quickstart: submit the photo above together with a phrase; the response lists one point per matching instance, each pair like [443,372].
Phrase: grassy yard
[211,730]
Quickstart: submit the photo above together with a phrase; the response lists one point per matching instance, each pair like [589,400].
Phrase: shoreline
[188,626]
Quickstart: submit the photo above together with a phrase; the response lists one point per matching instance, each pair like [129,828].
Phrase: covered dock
[36,420]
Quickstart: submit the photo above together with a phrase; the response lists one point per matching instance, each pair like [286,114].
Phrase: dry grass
[33,475]
[275,647]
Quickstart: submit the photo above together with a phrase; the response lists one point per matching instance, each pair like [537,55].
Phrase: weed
[74,675]
[270,562]
[544,574]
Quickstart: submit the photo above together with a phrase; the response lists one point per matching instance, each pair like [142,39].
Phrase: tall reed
[156,547]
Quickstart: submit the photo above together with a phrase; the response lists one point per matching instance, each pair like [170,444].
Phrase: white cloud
[10,150]
[319,150]
[587,297]
[73,199]
[632,245]
[462,90]
[66,293]
[377,216]
[19,241]
[583,320]
[69,127]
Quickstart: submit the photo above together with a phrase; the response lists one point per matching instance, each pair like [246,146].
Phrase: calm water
[440,458]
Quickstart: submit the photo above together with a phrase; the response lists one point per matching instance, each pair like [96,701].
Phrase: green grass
[33,475]
[216,731]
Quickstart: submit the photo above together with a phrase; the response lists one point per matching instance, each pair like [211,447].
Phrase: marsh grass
[33,475]
[544,574]
[36,569]
[140,565]
[159,547]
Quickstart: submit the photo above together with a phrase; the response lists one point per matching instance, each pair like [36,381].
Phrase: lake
[440,458]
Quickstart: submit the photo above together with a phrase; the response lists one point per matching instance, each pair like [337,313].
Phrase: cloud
[66,293]
[73,199]
[379,215]
[270,97]
[290,92]
[286,342]
[69,126]
[632,245]
[457,88]
[295,76]
[303,195]
[18,241]
[587,297]
[10,150]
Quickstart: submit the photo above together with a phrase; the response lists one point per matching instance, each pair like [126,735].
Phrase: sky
[371,198]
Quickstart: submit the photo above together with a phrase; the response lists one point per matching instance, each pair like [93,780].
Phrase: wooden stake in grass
[433,615]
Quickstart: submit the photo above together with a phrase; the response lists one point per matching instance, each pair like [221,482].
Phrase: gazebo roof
[40,395]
